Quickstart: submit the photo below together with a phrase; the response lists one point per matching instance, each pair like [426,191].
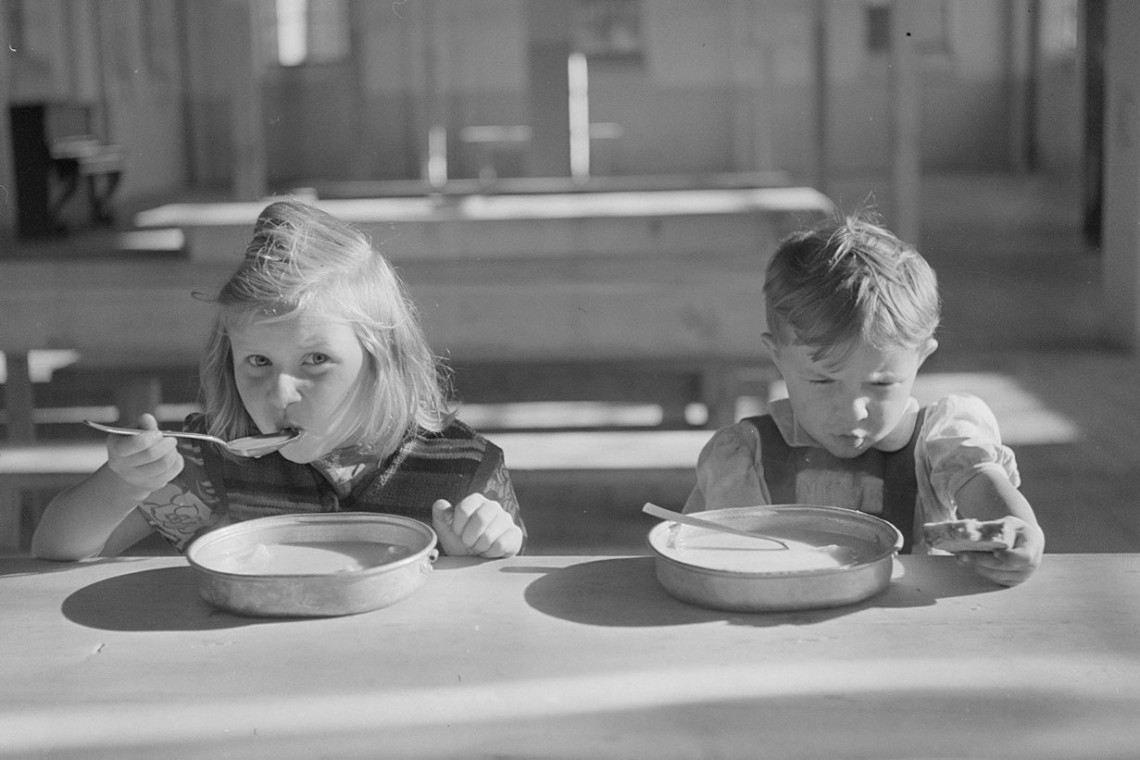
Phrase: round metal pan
[693,566]
[313,565]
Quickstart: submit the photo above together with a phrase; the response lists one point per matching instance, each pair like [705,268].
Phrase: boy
[852,312]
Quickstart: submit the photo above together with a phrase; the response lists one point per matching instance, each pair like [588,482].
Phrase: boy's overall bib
[894,470]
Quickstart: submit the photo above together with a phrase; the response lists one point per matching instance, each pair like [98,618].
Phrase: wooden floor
[1022,315]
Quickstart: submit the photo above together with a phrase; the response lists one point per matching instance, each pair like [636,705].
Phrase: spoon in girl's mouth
[250,446]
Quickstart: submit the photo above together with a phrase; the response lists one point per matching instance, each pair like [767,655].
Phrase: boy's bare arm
[990,495]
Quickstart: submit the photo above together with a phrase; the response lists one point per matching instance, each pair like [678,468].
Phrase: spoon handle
[696,522]
[166,433]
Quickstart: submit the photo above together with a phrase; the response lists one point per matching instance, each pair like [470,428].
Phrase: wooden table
[534,225]
[664,282]
[690,318]
[574,657]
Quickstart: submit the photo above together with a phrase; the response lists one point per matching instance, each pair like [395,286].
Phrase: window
[310,31]
[17,24]
[878,28]
[608,28]
[33,33]
[158,40]
[933,26]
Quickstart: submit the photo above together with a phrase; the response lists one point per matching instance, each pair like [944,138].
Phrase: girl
[314,332]
[852,312]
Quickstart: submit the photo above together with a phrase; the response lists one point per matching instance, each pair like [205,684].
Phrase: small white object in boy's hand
[969,535]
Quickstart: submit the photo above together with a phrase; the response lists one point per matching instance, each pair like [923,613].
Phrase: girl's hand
[146,461]
[475,526]
[1010,567]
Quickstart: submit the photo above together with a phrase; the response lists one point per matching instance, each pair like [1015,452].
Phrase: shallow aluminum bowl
[390,558]
[691,580]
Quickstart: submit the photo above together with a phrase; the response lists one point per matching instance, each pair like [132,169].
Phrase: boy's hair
[850,281]
[303,260]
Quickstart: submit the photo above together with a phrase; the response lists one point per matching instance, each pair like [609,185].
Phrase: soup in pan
[310,558]
[808,549]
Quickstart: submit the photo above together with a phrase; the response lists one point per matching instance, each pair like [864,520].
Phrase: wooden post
[19,398]
[753,101]
[137,395]
[1092,178]
[248,137]
[1121,234]
[821,116]
[549,24]
[437,94]
[7,170]
[1018,64]
[905,113]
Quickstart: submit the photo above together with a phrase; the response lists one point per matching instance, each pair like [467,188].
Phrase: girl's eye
[257,361]
[318,358]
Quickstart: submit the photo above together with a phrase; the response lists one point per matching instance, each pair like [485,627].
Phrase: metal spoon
[696,522]
[250,446]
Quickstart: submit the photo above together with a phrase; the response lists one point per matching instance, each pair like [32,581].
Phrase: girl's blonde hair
[846,282]
[303,260]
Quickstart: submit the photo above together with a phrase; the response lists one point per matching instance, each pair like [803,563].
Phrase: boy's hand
[475,526]
[146,461]
[1010,567]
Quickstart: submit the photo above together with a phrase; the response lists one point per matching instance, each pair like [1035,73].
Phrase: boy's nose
[856,409]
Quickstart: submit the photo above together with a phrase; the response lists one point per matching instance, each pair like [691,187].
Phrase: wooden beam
[1023,20]
[905,130]
[248,136]
[7,168]
[19,400]
[821,99]
[1092,176]
[1122,173]
[549,25]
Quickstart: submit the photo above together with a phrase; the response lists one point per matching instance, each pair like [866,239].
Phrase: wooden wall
[715,86]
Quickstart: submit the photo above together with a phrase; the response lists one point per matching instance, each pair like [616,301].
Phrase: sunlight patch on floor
[560,414]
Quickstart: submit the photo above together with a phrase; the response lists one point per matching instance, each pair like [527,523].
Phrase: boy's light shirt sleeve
[729,473]
[959,439]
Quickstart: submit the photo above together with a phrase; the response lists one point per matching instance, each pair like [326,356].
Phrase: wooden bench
[27,468]
[596,284]
[666,281]
[659,223]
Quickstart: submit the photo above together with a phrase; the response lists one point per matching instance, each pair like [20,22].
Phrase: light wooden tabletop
[573,657]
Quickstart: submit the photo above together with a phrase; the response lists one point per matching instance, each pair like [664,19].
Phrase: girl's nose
[285,391]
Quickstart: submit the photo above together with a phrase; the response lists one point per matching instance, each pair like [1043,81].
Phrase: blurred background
[582,195]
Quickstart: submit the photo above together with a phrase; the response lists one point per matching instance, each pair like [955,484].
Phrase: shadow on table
[20,566]
[624,592]
[162,599]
